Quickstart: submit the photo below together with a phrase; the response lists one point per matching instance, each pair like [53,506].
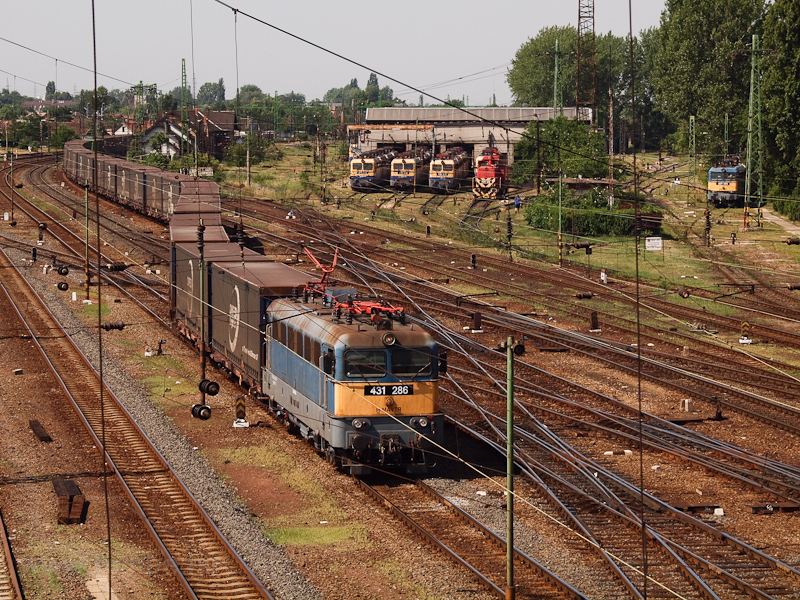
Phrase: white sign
[202,172]
[652,243]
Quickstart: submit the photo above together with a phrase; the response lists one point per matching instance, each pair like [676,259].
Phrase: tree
[565,145]
[250,95]
[702,67]
[167,103]
[61,136]
[260,150]
[210,93]
[781,97]
[532,68]
[50,90]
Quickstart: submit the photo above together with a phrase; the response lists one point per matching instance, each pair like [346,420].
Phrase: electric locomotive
[410,170]
[726,184]
[448,170]
[370,170]
[354,379]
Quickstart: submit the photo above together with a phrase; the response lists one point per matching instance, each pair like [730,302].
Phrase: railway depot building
[438,129]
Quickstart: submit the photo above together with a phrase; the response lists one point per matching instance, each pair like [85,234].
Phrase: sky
[457,48]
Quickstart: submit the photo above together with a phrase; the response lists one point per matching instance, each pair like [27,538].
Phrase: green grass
[319,521]
[166,380]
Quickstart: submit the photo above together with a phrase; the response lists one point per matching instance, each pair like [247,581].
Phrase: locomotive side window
[365,363]
[411,362]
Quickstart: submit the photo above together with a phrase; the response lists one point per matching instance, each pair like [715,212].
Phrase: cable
[67,62]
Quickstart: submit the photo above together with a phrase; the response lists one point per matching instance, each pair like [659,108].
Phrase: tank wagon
[410,170]
[726,184]
[448,170]
[349,374]
[370,170]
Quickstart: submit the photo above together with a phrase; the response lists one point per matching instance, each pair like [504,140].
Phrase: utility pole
[610,148]
[184,111]
[692,153]
[510,591]
[558,96]
[585,71]
[755,163]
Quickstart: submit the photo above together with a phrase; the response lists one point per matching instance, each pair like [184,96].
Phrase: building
[437,129]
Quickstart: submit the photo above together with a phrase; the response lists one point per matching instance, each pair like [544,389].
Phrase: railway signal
[209,387]
[201,411]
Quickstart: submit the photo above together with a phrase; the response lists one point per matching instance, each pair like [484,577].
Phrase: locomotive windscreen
[411,362]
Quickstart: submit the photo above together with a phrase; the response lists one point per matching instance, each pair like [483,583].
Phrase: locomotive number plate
[388,390]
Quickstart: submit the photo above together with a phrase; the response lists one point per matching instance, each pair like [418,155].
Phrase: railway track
[9,582]
[203,562]
[141,288]
[438,522]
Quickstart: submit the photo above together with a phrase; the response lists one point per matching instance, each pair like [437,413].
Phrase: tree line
[697,62]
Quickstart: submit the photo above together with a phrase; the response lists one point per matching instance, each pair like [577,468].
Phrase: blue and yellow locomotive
[410,170]
[448,170]
[370,170]
[354,379]
[726,184]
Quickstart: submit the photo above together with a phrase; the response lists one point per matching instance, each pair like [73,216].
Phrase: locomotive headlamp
[361,423]
[423,422]
[389,339]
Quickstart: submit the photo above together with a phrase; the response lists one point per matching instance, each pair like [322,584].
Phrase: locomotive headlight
[360,423]
[389,339]
[422,422]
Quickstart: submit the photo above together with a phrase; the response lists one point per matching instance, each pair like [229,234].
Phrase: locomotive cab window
[448,166]
[411,362]
[436,167]
[357,166]
[367,166]
[365,363]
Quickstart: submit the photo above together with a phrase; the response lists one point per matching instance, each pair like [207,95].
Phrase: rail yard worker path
[787,225]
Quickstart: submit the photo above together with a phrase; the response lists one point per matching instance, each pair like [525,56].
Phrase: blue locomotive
[448,170]
[370,170]
[726,184]
[410,170]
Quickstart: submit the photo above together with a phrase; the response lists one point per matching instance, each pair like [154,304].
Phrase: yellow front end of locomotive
[405,398]
[728,187]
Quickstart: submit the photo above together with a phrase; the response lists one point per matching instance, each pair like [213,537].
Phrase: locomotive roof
[273,279]
[317,321]
[728,169]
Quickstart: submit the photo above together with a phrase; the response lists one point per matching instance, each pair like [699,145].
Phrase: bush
[588,214]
